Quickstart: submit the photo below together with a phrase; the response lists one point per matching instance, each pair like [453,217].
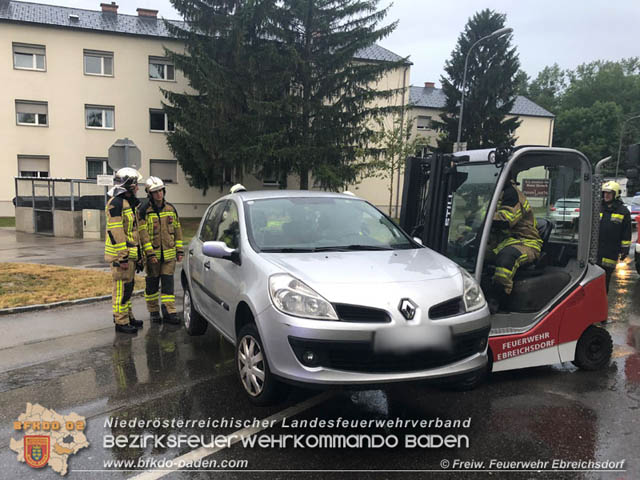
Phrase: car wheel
[594,349]
[194,323]
[253,371]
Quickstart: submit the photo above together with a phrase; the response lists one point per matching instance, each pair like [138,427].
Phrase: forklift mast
[427,198]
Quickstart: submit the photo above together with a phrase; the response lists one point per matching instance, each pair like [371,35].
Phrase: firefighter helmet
[238,187]
[125,180]
[153,184]
[613,187]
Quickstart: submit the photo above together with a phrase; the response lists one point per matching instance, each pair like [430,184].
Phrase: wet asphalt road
[541,413]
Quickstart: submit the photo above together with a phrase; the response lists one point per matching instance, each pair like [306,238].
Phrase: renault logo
[407,308]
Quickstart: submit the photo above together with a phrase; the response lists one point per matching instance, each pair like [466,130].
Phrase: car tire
[252,367]
[594,349]
[194,323]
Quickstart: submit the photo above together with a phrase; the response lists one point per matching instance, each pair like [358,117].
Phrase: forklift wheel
[594,349]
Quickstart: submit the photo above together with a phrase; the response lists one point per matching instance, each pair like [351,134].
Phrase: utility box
[93,224]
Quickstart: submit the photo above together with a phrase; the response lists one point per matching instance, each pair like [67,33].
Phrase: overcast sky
[567,32]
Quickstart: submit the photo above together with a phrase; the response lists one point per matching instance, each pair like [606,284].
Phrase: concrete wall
[67,224]
[24,219]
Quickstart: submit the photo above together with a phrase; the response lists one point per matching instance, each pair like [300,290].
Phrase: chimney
[109,7]
[429,85]
[145,12]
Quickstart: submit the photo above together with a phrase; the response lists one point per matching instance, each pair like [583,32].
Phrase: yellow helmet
[613,187]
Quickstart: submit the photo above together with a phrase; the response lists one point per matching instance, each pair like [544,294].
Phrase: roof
[95,20]
[428,97]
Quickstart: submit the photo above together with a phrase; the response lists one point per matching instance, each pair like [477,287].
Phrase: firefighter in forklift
[161,238]
[121,247]
[514,241]
[615,230]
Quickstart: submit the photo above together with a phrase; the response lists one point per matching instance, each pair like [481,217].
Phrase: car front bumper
[345,352]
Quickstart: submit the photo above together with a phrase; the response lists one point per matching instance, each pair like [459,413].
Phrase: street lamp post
[498,33]
[624,124]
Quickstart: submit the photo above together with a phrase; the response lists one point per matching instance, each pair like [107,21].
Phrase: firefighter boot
[155,317]
[168,317]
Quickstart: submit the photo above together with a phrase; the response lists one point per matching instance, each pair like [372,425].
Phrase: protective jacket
[160,230]
[615,233]
[121,240]
[515,222]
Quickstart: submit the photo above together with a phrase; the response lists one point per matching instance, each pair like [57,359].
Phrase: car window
[228,230]
[310,223]
[208,230]
[568,204]
[635,201]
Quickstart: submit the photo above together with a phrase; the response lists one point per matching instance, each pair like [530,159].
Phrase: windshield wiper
[346,248]
[287,250]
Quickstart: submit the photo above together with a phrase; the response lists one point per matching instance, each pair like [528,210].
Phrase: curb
[64,303]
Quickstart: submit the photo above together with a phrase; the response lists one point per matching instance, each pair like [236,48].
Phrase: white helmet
[153,184]
[124,180]
[238,187]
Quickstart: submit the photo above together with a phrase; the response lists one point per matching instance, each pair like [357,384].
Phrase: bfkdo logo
[49,438]
[36,450]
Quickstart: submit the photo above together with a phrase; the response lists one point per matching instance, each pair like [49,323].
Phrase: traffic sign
[124,153]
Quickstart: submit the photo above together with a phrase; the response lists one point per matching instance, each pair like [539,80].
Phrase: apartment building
[74,81]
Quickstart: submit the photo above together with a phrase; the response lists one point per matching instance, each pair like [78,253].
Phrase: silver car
[322,288]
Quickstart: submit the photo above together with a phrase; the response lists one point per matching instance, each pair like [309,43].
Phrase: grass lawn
[7,221]
[189,227]
[30,284]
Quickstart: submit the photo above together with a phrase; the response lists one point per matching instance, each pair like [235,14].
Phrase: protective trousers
[122,290]
[160,273]
[508,260]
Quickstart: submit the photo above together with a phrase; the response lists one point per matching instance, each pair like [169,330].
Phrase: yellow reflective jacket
[515,219]
[160,230]
[121,239]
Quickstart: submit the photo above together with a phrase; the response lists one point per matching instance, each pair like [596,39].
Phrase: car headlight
[293,297]
[472,293]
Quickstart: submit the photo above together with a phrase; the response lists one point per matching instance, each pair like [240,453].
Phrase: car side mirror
[418,240]
[220,250]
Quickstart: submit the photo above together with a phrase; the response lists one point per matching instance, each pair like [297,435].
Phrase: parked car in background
[564,211]
[322,288]
[634,207]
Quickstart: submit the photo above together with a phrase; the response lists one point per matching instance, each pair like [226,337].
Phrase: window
[99,117]
[209,225]
[161,69]
[98,63]
[159,121]
[29,57]
[423,122]
[33,166]
[167,170]
[31,113]
[97,166]
[228,230]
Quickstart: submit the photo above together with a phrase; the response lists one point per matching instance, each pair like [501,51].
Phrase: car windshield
[315,224]
[635,201]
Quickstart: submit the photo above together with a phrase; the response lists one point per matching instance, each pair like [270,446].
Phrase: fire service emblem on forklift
[407,308]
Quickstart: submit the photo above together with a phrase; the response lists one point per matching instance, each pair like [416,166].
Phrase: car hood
[365,267]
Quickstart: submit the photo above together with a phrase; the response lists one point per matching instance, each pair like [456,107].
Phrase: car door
[197,259]
[223,277]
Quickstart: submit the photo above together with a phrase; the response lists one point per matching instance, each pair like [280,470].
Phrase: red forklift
[555,310]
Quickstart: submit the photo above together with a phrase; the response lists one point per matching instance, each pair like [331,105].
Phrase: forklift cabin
[557,303]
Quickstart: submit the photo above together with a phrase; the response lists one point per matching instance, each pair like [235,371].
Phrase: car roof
[267,194]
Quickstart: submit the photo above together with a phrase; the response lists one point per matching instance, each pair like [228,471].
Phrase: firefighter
[615,229]
[121,246]
[515,240]
[161,238]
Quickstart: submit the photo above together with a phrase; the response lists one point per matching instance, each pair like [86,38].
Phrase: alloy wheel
[251,365]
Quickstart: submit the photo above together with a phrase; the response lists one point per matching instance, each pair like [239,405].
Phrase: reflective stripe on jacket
[121,239]
[160,230]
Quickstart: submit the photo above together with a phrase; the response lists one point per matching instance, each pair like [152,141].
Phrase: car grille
[360,357]
[358,314]
[452,307]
